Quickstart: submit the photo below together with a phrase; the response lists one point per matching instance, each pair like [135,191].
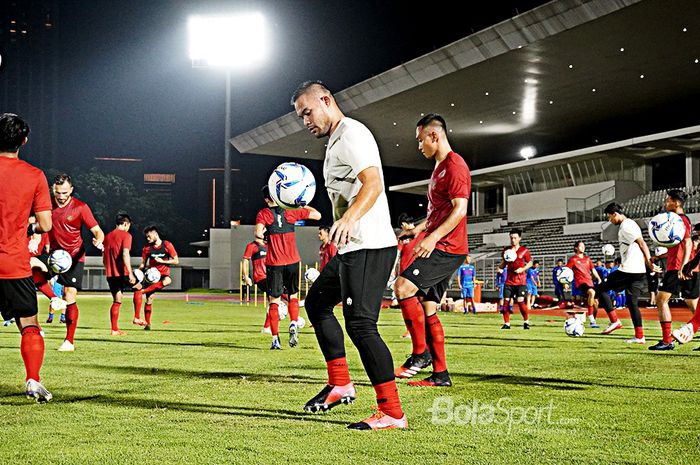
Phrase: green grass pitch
[205,388]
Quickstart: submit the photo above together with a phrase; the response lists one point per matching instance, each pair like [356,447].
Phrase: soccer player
[501,283]
[584,273]
[69,216]
[328,249]
[630,276]
[38,249]
[674,281]
[516,280]
[558,287]
[533,282]
[282,261]
[256,251]
[117,260]
[466,275]
[160,254]
[358,275]
[686,332]
[23,189]
[440,252]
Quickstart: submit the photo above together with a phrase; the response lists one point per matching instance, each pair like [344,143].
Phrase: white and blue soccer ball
[574,327]
[301,322]
[311,274]
[666,229]
[510,256]
[138,274]
[152,275]
[292,185]
[283,310]
[608,250]
[60,261]
[565,275]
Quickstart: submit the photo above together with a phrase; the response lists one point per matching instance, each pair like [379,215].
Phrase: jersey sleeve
[527,257]
[170,248]
[144,255]
[264,217]
[570,263]
[248,253]
[332,250]
[298,214]
[42,199]
[86,214]
[459,181]
[362,150]
[127,242]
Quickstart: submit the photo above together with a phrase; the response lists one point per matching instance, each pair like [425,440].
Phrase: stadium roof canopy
[567,75]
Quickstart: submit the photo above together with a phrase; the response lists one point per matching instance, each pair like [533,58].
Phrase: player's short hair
[266,192]
[122,218]
[535,262]
[618,260]
[696,227]
[325,228]
[432,118]
[577,243]
[516,231]
[304,88]
[151,227]
[677,195]
[61,178]
[405,218]
[613,207]
[13,131]
[560,260]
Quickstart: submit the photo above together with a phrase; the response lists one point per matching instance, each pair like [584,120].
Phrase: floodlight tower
[231,42]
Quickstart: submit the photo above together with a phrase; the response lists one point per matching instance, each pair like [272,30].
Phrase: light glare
[238,41]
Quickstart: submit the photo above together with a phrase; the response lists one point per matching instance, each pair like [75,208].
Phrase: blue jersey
[602,271]
[555,280]
[466,274]
[501,277]
[533,274]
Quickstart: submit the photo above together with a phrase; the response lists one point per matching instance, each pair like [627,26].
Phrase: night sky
[127,87]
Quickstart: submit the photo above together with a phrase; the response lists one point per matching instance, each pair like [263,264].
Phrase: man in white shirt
[630,276]
[358,274]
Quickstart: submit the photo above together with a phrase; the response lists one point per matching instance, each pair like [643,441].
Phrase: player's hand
[98,244]
[248,281]
[340,231]
[34,245]
[499,270]
[132,279]
[682,276]
[519,270]
[159,260]
[654,268]
[425,247]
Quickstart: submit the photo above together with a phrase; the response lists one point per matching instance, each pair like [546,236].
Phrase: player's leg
[275,288]
[18,301]
[414,317]
[670,285]
[590,293]
[323,296]
[615,280]
[150,292]
[138,304]
[522,305]
[291,284]
[115,288]
[362,301]
[508,293]
[435,338]
[633,288]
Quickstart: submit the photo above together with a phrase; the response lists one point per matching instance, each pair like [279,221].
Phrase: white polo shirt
[631,254]
[352,149]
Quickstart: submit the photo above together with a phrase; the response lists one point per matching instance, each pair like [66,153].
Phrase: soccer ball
[283,310]
[292,185]
[301,322]
[574,327]
[60,261]
[311,274]
[660,251]
[138,274]
[509,255]
[609,250]
[152,275]
[667,229]
[565,275]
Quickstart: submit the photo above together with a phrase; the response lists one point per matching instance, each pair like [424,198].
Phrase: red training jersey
[115,243]
[523,258]
[326,252]
[67,224]
[282,243]
[23,188]
[164,251]
[43,242]
[451,179]
[674,259]
[582,268]
[257,254]
[406,251]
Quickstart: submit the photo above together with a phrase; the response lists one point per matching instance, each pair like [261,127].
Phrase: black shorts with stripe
[119,284]
[687,289]
[17,298]
[282,278]
[432,275]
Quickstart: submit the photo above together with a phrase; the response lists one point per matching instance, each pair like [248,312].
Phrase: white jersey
[352,149]
[631,254]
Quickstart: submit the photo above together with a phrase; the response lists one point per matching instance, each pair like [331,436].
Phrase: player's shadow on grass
[228,375]
[556,383]
[181,344]
[237,410]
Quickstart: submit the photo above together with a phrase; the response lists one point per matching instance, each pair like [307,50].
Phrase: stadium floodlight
[232,41]
[528,152]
